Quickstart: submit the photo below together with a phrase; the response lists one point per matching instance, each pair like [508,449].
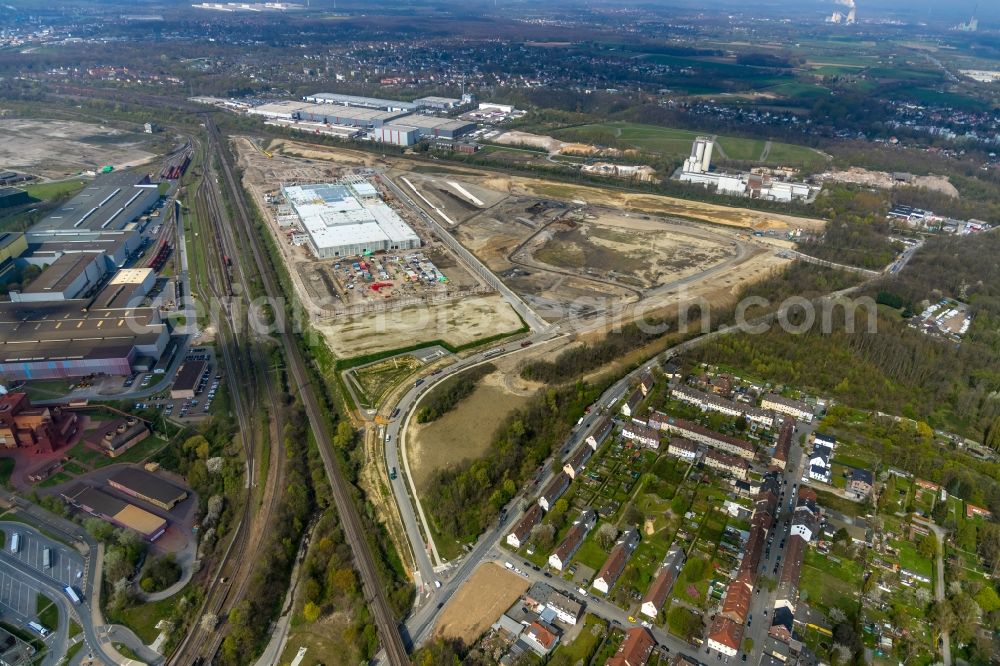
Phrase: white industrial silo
[706,157]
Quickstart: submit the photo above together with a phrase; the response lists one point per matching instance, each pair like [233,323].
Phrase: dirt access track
[483,598]
[569,251]
[56,149]
[567,258]
[461,313]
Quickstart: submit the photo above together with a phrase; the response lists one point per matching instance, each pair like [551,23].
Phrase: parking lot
[185,408]
[16,595]
[66,565]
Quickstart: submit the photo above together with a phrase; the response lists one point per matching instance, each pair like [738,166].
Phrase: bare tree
[606,535]
[209,621]
[543,535]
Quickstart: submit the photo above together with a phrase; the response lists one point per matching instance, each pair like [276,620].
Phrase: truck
[73,596]
[46,557]
[15,543]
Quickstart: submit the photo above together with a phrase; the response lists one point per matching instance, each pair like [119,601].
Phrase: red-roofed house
[539,639]
[737,602]
[725,636]
[615,564]
[519,535]
[635,649]
[660,588]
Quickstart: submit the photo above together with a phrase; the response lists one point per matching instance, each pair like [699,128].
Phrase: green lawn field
[677,143]
[48,191]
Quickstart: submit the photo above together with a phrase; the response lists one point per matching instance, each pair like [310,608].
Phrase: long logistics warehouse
[64,339]
[346,220]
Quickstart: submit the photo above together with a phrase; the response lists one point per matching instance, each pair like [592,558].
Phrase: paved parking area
[67,564]
[16,595]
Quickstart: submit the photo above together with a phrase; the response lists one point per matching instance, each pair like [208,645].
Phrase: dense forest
[898,369]
[443,398]
[858,230]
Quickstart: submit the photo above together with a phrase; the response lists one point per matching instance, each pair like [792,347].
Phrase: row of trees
[446,396]
[578,361]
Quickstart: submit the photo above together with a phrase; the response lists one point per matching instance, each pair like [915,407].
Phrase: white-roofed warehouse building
[346,220]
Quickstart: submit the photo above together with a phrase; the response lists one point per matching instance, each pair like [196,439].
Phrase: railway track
[224,591]
[217,594]
[386,623]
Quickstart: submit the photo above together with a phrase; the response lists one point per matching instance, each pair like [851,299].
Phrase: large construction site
[566,252]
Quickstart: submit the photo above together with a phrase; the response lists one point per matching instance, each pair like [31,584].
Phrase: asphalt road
[26,568]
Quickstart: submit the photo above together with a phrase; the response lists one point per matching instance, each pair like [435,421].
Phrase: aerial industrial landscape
[570,333]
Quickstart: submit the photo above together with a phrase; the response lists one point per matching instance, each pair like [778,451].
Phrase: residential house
[712,403]
[702,435]
[537,595]
[821,439]
[784,445]
[739,595]
[576,462]
[820,465]
[662,583]
[597,437]
[973,511]
[725,636]
[571,542]
[615,563]
[862,482]
[794,408]
[646,383]
[635,649]
[782,621]
[540,638]
[631,406]
[566,610]
[522,530]
[554,490]
[648,437]
[672,370]
[722,385]
[682,448]
[726,463]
